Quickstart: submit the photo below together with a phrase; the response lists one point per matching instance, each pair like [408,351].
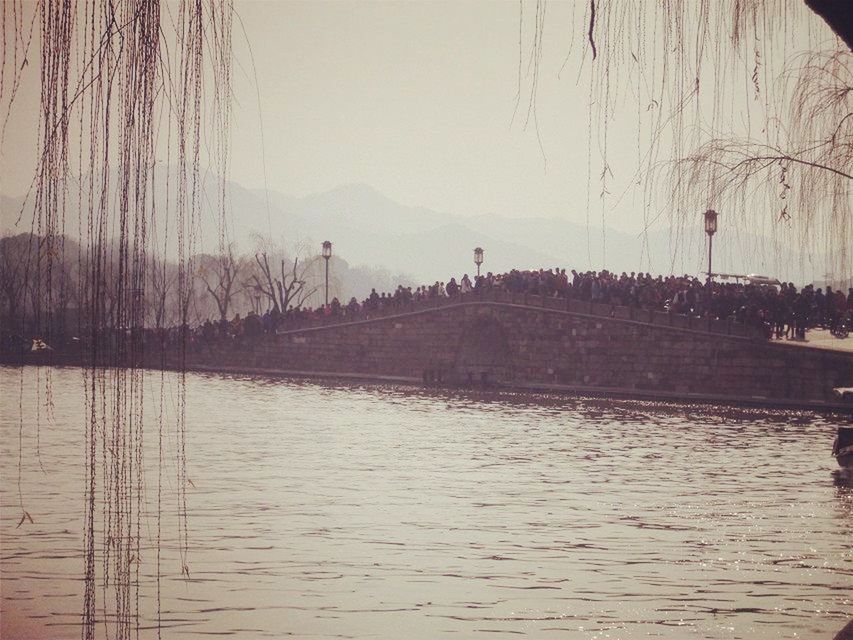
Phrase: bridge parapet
[531,342]
[720,327]
[499,338]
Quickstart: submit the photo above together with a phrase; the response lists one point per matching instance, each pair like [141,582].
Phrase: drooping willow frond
[802,183]
[735,103]
[124,85]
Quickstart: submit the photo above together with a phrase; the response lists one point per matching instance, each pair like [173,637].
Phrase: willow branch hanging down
[725,93]
[123,86]
[803,181]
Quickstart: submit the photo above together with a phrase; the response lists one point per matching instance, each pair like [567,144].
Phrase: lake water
[321,511]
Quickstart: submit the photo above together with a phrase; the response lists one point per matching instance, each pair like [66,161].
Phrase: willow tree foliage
[123,84]
[744,106]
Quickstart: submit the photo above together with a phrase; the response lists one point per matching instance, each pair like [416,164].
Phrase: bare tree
[65,274]
[163,278]
[285,284]
[14,261]
[220,275]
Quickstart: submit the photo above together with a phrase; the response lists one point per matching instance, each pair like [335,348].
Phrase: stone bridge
[529,342]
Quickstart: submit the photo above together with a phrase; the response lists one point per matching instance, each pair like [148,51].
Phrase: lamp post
[478,259]
[327,253]
[710,229]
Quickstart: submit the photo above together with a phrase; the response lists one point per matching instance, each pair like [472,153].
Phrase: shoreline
[562,390]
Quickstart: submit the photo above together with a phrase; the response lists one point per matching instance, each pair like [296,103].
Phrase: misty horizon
[370,229]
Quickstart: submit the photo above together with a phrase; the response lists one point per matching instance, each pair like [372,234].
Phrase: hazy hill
[368,228]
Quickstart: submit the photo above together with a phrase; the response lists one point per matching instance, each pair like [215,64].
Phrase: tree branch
[592,28]
[787,158]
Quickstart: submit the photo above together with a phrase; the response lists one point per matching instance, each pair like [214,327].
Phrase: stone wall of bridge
[547,344]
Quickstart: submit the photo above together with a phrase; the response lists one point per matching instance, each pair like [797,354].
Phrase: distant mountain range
[368,228]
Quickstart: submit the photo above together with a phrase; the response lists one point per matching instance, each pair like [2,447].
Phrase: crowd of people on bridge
[781,311]
[777,310]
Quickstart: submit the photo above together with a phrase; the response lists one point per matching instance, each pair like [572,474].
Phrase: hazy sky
[415,99]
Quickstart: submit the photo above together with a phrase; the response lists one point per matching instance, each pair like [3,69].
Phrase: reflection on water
[350,511]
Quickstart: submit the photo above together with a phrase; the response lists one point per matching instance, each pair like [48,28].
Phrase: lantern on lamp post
[710,229]
[327,253]
[478,259]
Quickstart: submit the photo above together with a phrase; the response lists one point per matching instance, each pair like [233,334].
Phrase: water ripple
[354,511]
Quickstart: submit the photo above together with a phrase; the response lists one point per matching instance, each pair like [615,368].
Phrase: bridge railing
[727,327]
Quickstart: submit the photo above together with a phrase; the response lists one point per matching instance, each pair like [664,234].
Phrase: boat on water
[842,448]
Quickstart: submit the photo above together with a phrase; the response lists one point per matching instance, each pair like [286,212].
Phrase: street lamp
[710,229]
[478,259]
[327,253]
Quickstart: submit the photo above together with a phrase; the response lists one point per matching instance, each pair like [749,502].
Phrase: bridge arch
[483,355]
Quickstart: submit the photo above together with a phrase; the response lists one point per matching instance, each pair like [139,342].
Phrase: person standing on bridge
[452,288]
